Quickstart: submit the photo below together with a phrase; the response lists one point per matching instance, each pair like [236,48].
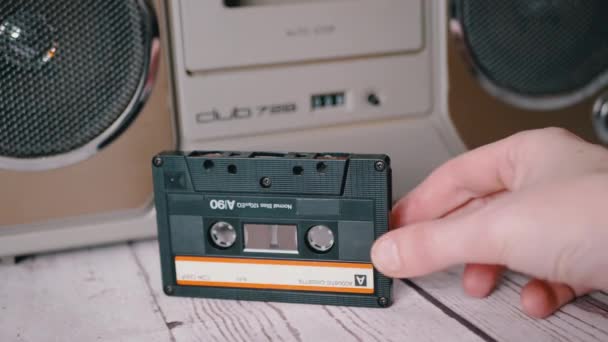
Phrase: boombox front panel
[296,90]
[384,103]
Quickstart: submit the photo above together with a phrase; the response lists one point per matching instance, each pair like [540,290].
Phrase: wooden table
[113,293]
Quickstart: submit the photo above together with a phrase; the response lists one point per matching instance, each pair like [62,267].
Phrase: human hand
[534,203]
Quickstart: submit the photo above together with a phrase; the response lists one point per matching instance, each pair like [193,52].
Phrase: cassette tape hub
[292,227]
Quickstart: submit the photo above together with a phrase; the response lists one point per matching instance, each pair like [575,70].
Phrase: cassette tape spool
[286,227]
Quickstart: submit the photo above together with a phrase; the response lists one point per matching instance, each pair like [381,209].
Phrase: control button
[320,238]
[223,234]
[374,100]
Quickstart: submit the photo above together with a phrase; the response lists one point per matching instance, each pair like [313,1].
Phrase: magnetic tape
[286,227]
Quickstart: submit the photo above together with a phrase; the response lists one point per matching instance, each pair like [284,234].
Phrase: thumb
[431,246]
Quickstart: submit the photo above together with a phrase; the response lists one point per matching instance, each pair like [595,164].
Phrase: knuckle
[423,248]
[525,148]
[564,269]
[533,138]
[522,143]
[492,240]
[559,134]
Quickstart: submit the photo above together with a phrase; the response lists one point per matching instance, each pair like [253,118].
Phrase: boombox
[91,90]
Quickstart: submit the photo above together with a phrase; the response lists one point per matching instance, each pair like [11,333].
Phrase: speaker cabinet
[519,65]
[83,109]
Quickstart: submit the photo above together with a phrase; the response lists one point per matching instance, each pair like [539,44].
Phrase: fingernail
[385,256]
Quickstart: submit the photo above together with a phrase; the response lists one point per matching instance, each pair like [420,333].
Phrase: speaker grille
[540,47]
[68,70]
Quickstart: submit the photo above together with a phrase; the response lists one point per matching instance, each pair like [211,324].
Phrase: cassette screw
[266,182]
[380,166]
[158,161]
[383,302]
[169,289]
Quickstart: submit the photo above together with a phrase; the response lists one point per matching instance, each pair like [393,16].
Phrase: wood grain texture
[84,295]
[410,318]
[592,309]
[501,317]
[114,294]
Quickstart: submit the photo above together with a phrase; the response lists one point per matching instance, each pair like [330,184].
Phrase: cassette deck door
[221,37]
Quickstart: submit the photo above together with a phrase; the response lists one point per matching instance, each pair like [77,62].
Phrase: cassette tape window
[271,238]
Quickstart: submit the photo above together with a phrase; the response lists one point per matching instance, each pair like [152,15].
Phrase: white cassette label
[275,274]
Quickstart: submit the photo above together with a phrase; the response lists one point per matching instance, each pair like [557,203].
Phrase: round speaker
[535,54]
[74,75]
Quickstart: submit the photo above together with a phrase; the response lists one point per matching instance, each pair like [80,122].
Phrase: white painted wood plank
[500,315]
[410,318]
[592,310]
[84,295]
[113,294]
[602,300]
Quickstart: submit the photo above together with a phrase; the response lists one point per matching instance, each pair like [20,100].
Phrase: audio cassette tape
[285,227]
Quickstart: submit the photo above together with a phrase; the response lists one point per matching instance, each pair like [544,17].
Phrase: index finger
[478,173]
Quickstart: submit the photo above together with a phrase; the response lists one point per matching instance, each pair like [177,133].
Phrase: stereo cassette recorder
[421,81]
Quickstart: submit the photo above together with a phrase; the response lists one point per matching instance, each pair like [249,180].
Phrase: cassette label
[275,274]
[217,203]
